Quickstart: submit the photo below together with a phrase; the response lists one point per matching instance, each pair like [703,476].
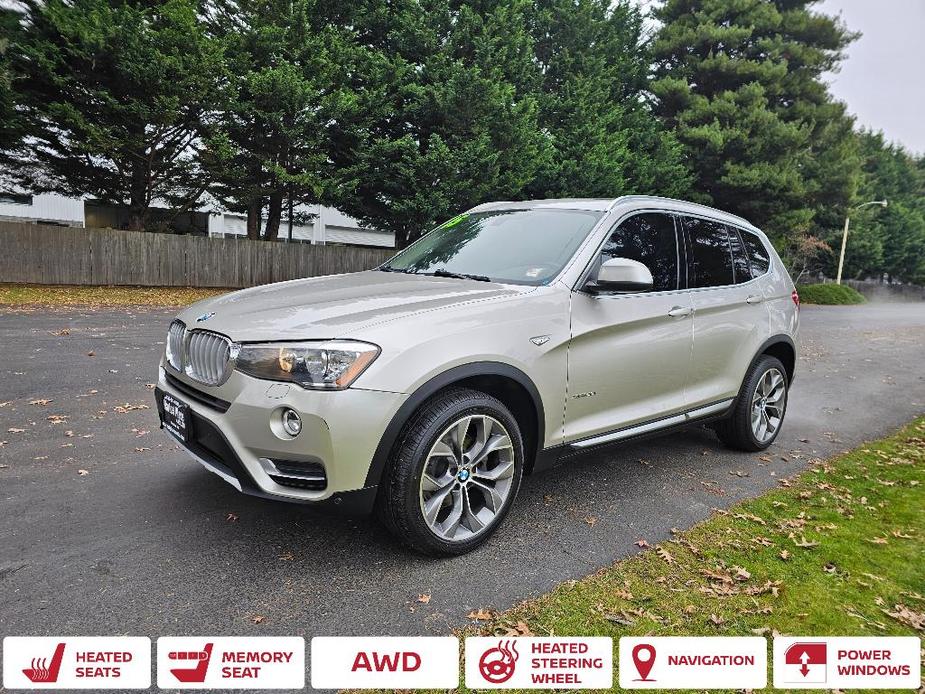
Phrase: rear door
[730,318]
[629,353]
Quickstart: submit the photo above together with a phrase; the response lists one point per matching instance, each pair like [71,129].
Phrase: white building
[325,225]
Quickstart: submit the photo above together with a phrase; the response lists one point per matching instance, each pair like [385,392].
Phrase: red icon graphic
[195,674]
[643,659]
[811,659]
[41,671]
[497,664]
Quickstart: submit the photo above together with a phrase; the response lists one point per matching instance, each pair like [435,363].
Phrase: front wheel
[454,473]
[759,411]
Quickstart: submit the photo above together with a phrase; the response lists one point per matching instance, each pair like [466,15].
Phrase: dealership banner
[76,662]
[231,662]
[847,662]
[539,662]
[693,662]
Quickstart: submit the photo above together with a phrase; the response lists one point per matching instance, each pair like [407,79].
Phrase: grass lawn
[829,294]
[837,550]
[24,295]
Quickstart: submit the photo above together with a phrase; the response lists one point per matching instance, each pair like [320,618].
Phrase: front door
[629,353]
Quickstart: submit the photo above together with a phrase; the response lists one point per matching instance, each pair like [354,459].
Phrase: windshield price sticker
[847,662]
[539,663]
[84,662]
[229,662]
[691,662]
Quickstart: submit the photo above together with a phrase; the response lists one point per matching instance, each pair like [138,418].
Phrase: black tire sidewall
[419,437]
[743,407]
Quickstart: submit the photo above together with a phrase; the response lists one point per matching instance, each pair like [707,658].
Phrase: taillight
[796,298]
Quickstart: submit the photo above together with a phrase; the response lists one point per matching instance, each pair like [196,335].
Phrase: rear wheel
[454,473]
[759,410]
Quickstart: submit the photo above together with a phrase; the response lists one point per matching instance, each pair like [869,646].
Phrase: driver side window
[649,238]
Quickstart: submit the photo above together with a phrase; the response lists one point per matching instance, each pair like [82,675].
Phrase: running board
[658,424]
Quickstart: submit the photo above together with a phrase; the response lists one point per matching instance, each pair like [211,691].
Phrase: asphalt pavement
[106,527]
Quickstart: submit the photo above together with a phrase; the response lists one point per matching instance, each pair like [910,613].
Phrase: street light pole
[844,238]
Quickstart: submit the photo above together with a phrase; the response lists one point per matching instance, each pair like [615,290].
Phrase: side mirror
[622,275]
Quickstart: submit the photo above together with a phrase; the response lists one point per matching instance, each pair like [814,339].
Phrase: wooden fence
[44,254]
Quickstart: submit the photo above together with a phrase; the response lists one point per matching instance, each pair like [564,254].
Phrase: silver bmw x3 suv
[504,340]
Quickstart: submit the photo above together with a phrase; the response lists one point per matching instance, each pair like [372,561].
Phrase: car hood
[335,306]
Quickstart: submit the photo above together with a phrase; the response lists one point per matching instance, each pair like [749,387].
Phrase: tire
[737,430]
[456,485]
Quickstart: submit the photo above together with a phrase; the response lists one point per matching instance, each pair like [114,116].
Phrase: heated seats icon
[806,662]
[41,671]
[194,674]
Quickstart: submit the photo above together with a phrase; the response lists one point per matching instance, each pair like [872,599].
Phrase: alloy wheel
[468,477]
[768,401]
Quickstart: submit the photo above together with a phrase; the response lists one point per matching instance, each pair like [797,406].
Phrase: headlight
[331,365]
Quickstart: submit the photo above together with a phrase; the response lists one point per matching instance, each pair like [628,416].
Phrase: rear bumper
[230,433]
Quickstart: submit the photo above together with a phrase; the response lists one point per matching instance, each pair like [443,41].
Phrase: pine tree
[592,80]
[441,129]
[740,84]
[117,97]
[289,85]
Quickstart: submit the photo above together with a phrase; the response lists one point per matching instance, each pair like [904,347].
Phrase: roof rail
[626,198]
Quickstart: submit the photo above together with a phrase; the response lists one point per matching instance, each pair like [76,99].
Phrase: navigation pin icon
[644,659]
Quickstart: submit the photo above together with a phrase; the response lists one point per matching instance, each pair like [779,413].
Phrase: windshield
[511,246]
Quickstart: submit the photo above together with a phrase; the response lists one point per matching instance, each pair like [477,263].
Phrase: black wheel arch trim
[439,382]
[770,342]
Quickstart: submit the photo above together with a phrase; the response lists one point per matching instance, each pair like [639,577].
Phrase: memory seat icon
[194,674]
[41,671]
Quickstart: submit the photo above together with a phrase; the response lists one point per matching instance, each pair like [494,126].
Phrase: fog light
[292,422]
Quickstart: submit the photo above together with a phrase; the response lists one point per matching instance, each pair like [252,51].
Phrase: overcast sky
[883,77]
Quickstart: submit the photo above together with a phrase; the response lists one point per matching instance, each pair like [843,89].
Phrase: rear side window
[711,261]
[758,255]
[739,259]
[650,239]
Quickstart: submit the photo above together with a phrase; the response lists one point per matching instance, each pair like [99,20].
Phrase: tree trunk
[254,214]
[138,199]
[274,215]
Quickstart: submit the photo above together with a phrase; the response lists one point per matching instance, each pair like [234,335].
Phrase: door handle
[678,311]
[754,299]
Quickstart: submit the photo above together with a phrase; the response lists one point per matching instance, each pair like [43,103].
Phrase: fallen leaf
[481,615]
[806,544]
[287,556]
[591,520]
[785,555]
[642,543]
[519,629]
[718,621]
[83,473]
[91,353]
[41,402]
[258,619]
[665,555]
[231,517]
[424,598]
[14,430]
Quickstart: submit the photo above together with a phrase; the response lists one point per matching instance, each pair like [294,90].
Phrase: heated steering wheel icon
[497,664]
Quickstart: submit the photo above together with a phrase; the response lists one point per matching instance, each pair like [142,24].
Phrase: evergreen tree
[740,84]
[117,97]
[10,123]
[441,129]
[289,86]
[887,241]
[592,74]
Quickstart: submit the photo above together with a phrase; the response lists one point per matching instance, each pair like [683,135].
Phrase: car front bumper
[231,432]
